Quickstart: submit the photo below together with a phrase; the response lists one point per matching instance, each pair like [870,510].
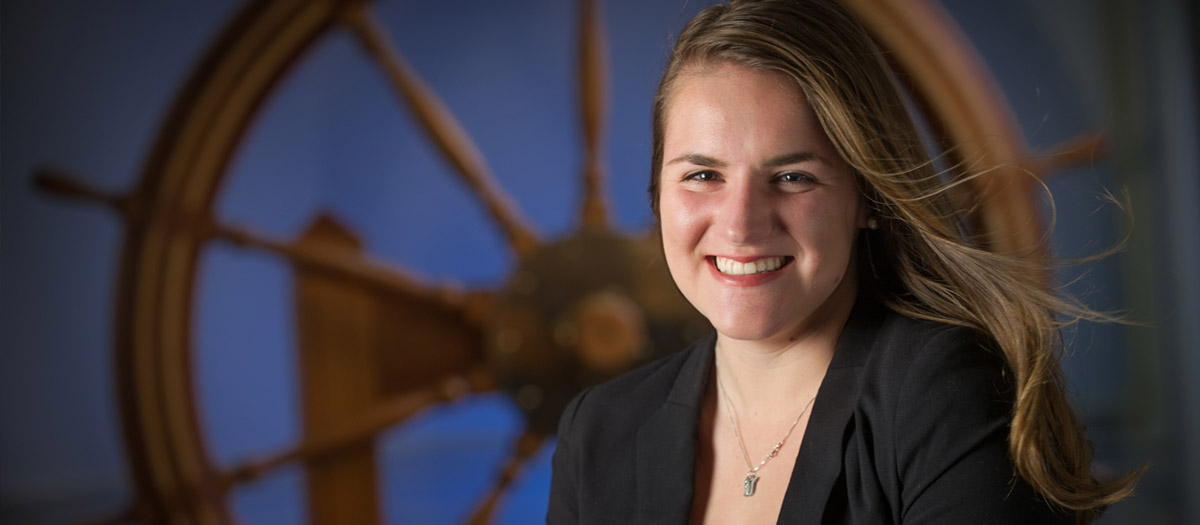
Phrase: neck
[771,381]
[773,375]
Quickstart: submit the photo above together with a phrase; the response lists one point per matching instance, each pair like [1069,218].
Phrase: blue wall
[86,85]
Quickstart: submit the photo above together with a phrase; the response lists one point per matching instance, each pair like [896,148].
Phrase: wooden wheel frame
[169,219]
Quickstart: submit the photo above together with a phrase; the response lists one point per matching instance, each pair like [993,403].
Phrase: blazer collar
[819,463]
[666,443]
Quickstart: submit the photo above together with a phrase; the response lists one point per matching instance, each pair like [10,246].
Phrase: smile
[764,265]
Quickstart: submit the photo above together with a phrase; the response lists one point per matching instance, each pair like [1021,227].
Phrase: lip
[745,281]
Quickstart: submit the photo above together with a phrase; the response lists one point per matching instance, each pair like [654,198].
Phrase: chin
[739,329]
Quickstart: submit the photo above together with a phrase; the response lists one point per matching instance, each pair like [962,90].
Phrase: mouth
[762,265]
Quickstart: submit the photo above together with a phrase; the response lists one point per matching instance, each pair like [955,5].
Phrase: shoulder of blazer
[904,342]
[638,393]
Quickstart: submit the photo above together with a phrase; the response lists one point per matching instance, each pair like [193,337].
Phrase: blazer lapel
[666,443]
[819,463]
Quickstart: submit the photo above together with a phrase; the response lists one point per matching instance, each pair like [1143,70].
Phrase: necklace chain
[752,471]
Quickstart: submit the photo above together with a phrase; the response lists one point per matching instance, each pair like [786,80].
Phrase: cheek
[681,223]
[681,216]
[827,232]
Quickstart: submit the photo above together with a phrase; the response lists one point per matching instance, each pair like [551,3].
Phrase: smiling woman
[752,179]
[801,214]
[333,136]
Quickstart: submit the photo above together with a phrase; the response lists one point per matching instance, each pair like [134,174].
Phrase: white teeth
[731,267]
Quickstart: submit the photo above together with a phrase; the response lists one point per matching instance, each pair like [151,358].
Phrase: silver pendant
[748,485]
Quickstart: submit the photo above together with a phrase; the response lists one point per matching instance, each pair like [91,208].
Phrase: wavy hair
[919,262]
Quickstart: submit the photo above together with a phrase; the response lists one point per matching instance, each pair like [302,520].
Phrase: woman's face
[758,212]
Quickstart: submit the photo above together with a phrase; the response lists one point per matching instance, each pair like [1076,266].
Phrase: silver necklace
[751,481]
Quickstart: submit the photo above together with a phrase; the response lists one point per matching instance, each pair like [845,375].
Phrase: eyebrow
[773,162]
[791,158]
[697,159]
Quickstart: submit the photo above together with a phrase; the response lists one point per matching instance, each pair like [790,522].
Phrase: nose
[745,214]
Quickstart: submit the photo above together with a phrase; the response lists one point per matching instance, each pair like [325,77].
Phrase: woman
[869,365]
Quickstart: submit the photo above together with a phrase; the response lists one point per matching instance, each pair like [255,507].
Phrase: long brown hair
[919,262]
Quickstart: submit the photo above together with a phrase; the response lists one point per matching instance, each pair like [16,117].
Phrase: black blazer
[910,425]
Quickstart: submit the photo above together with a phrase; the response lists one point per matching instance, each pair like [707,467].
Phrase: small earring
[872,223]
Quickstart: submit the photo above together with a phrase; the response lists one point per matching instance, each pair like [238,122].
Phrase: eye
[795,177]
[702,176]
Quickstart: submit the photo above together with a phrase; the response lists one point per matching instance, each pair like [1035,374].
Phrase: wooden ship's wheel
[575,311]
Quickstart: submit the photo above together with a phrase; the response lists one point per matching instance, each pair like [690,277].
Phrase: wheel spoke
[356,268]
[363,427]
[525,447]
[593,90]
[1083,149]
[69,185]
[445,131]
[336,262]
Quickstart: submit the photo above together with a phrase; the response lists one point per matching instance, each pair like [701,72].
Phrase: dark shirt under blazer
[910,425]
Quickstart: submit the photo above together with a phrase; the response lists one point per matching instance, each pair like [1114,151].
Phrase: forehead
[725,105]
[734,76]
